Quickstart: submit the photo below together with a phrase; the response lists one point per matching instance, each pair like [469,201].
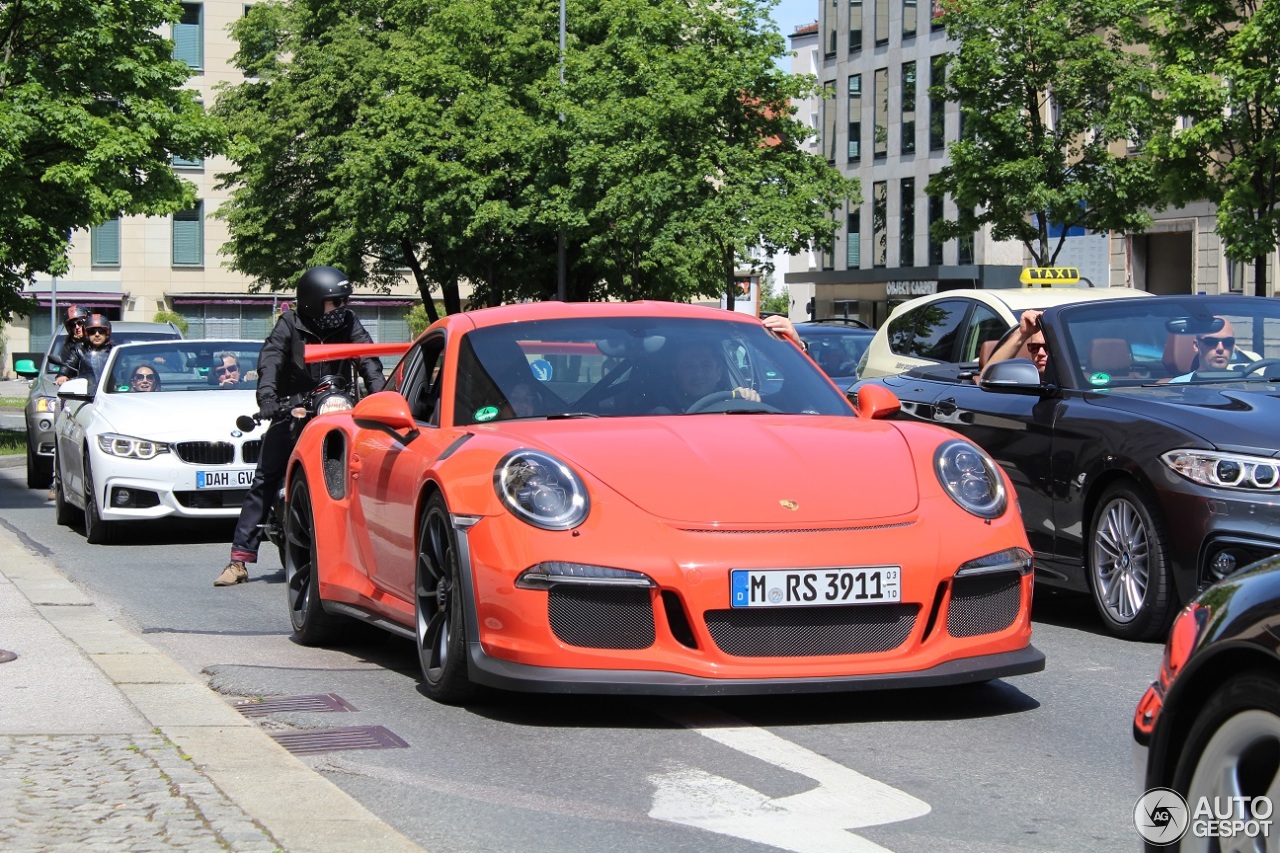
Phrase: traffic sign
[1049,276]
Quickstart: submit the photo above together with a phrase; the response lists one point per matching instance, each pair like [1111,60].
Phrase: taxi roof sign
[1049,276]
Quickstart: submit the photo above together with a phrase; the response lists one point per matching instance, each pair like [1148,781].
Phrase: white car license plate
[235,479]
[815,587]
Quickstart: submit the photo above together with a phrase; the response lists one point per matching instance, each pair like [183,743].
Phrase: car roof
[1017,299]
[554,310]
[833,329]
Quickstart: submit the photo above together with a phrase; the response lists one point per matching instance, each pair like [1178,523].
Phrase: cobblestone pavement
[132,793]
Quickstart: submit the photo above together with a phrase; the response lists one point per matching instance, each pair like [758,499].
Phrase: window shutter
[104,250]
[188,237]
[188,36]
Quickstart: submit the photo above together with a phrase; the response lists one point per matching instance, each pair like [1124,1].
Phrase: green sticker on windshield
[1100,379]
[122,387]
[488,413]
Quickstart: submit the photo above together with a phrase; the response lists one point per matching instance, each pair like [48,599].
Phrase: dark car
[1209,726]
[1143,476]
[42,401]
[837,346]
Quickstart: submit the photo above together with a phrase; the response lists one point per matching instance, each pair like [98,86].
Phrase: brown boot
[234,573]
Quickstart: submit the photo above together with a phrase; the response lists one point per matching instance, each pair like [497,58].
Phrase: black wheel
[311,625]
[1129,567]
[1232,750]
[39,470]
[63,512]
[441,629]
[96,531]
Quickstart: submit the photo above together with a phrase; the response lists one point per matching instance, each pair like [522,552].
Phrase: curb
[302,811]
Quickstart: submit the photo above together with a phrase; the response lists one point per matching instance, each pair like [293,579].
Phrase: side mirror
[26,368]
[875,402]
[1014,376]
[387,408]
[74,389]
[54,359]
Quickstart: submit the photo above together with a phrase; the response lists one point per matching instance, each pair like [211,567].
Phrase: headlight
[129,447]
[1225,470]
[46,405]
[541,490]
[970,477]
[333,403]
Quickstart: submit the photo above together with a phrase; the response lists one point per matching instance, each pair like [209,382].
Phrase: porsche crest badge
[789,504]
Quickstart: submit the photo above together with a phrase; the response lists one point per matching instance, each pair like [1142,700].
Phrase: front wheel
[1129,567]
[311,624]
[63,512]
[96,531]
[438,610]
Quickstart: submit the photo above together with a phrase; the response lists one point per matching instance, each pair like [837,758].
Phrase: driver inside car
[697,371]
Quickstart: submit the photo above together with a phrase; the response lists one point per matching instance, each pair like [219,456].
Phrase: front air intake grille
[250,450]
[601,618]
[811,631]
[206,452]
[214,499]
[984,604]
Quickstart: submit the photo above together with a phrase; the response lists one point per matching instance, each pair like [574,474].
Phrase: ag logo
[789,504]
[1161,816]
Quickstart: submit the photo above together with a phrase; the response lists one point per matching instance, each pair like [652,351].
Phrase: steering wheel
[1259,365]
[715,397]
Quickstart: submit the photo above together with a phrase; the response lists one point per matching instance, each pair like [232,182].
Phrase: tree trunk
[420,276]
[1260,275]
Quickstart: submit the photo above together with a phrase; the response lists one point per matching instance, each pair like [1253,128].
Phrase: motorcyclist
[74,324]
[88,359]
[284,378]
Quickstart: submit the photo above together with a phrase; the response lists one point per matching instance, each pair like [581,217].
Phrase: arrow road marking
[815,821]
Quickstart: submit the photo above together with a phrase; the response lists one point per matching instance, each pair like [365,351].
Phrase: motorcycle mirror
[246,423]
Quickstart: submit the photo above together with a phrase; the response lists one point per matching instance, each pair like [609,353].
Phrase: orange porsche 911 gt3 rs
[651,498]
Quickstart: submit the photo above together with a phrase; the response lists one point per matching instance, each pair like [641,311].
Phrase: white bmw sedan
[154,434]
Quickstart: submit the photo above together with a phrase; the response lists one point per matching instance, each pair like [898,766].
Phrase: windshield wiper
[564,416]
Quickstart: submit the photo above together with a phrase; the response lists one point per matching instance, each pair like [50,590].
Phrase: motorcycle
[334,393]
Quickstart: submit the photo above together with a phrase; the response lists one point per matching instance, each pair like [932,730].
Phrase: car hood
[172,415]
[1237,416]
[743,469]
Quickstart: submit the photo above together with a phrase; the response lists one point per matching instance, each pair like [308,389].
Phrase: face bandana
[332,321]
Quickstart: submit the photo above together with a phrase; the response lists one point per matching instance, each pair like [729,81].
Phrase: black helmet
[75,314]
[98,321]
[318,284]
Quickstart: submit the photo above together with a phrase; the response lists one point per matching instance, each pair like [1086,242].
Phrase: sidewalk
[108,745]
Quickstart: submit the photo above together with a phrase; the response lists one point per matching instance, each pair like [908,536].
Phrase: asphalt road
[1039,762]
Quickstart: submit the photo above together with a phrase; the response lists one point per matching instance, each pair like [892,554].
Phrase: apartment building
[132,267]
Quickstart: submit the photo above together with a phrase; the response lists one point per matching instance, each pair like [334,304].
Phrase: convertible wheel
[96,531]
[441,630]
[63,512]
[312,626]
[1129,567]
[1232,750]
[39,470]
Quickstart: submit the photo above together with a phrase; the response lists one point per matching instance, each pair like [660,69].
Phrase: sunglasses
[223,371]
[339,302]
[144,377]
[98,330]
[1035,349]
[1214,343]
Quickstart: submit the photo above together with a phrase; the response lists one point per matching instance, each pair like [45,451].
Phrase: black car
[1208,728]
[837,345]
[1143,475]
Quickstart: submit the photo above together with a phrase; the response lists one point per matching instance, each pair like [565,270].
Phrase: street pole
[562,287]
[53,309]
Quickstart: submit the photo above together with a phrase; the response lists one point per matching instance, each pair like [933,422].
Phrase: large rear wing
[335,352]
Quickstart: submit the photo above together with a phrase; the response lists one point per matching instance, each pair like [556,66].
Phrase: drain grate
[332,740]
[282,704]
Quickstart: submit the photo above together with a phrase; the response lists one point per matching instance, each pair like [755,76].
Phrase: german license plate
[235,479]
[815,587]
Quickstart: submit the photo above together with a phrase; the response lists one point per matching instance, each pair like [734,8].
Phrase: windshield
[117,337]
[1173,340]
[184,365]
[593,367]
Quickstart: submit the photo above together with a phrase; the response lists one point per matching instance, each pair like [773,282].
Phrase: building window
[907,222]
[853,252]
[908,18]
[104,244]
[879,220]
[1235,276]
[855,25]
[936,9]
[188,237]
[937,105]
[935,245]
[188,35]
[855,118]
[882,21]
[829,28]
[829,125]
[184,163]
[880,140]
[908,107]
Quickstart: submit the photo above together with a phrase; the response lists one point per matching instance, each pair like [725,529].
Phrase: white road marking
[815,821]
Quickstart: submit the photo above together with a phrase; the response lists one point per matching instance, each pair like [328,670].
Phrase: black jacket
[76,359]
[282,372]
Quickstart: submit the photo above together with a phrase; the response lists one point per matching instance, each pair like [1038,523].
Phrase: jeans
[277,444]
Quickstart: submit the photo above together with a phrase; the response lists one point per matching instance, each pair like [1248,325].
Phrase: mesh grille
[213,499]
[984,604]
[810,631]
[334,479]
[602,618]
[205,452]
[250,450]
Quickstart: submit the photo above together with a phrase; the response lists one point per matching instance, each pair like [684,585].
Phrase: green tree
[774,299]
[91,108]
[1218,129]
[1049,95]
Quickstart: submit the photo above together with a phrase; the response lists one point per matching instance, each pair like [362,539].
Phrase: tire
[440,624]
[64,513]
[96,531]
[39,470]
[1130,573]
[312,626]
[1232,747]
